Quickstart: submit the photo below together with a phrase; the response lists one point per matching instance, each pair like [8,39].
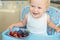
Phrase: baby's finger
[58,31]
[10,28]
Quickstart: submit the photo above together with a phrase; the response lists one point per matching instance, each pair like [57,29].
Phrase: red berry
[15,34]
[11,33]
[20,36]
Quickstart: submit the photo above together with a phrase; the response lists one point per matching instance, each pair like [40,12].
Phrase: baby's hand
[58,30]
[16,24]
[11,26]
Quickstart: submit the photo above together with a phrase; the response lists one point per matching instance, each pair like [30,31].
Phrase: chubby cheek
[41,11]
[31,9]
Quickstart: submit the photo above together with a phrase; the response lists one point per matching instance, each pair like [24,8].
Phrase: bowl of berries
[17,33]
[21,33]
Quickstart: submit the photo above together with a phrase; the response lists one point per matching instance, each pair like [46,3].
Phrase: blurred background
[10,11]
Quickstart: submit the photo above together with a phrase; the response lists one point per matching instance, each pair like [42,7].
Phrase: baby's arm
[19,24]
[52,25]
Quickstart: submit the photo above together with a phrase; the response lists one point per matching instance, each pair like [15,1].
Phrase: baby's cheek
[43,10]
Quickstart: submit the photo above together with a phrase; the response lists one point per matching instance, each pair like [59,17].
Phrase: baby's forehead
[38,1]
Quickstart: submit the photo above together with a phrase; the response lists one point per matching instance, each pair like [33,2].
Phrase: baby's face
[37,8]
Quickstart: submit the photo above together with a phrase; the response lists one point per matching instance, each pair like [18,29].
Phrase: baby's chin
[36,16]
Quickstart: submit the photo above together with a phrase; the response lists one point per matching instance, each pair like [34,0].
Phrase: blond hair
[46,1]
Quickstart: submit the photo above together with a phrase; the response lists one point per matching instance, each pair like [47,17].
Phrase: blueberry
[20,32]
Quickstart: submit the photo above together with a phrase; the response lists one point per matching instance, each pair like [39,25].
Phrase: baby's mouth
[35,13]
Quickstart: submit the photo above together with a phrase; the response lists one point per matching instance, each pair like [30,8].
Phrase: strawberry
[11,33]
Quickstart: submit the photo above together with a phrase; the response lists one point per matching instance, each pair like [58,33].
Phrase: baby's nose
[35,10]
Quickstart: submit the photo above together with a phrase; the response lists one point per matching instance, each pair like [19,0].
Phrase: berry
[11,33]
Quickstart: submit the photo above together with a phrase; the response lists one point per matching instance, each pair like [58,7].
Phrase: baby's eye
[39,7]
[32,6]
